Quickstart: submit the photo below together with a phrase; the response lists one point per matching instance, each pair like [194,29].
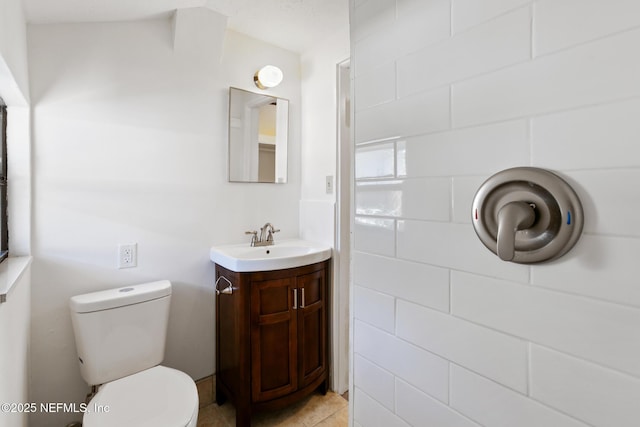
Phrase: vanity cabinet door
[274,330]
[312,326]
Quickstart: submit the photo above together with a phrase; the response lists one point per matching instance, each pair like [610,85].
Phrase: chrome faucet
[266,235]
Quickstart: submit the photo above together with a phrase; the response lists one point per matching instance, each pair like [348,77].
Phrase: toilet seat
[155,397]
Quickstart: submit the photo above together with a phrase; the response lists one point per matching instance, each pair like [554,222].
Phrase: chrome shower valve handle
[527,215]
[512,217]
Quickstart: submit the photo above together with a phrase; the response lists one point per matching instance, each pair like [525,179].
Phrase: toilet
[120,338]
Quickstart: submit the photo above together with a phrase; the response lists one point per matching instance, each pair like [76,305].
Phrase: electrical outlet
[329,184]
[128,255]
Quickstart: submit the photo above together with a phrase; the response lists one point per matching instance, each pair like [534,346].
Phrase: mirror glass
[258,131]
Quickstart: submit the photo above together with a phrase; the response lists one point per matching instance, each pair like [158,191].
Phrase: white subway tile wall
[589,392]
[409,362]
[595,330]
[372,16]
[417,282]
[417,24]
[376,308]
[561,24]
[420,409]
[604,70]
[582,139]
[403,198]
[460,152]
[498,356]
[375,381]
[468,13]
[464,188]
[447,93]
[488,403]
[413,115]
[383,77]
[370,412]
[480,50]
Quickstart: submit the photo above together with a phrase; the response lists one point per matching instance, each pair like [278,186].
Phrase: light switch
[329,184]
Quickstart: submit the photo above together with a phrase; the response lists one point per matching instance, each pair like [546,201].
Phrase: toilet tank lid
[120,297]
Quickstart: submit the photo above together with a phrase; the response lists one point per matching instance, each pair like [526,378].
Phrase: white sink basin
[283,254]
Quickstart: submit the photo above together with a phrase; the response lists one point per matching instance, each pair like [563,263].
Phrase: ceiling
[296,25]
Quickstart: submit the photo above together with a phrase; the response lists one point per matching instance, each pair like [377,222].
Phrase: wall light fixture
[268,76]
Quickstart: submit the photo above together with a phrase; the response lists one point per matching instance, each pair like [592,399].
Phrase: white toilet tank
[120,331]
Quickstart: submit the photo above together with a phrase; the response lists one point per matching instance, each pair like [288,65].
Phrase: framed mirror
[258,133]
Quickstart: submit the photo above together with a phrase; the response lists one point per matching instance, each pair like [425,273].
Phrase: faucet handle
[512,217]
[271,230]
[254,236]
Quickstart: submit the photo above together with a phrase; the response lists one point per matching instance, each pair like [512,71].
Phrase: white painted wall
[446,334]
[319,106]
[15,321]
[319,149]
[319,134]
[14,78]
[130,145]
[15,313]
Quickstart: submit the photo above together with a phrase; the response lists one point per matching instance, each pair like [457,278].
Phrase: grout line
[528,385]
[451,19]
[395,315]
[451,107]
[396,225]
[450,293]
[452,205]
[530,140]
[395,78]
[531,31]
[396,381]
[539,286]
[589,41]
[395,159]
[449,366]
[487,21]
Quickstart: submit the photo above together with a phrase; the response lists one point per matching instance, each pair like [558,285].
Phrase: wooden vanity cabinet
[271,337]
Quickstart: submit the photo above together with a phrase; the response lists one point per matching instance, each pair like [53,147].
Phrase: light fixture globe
[268,76]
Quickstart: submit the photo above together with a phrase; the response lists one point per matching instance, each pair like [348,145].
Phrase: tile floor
[315,410]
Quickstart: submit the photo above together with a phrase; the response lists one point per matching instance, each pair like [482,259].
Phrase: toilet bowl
[158,396]
[120,337]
